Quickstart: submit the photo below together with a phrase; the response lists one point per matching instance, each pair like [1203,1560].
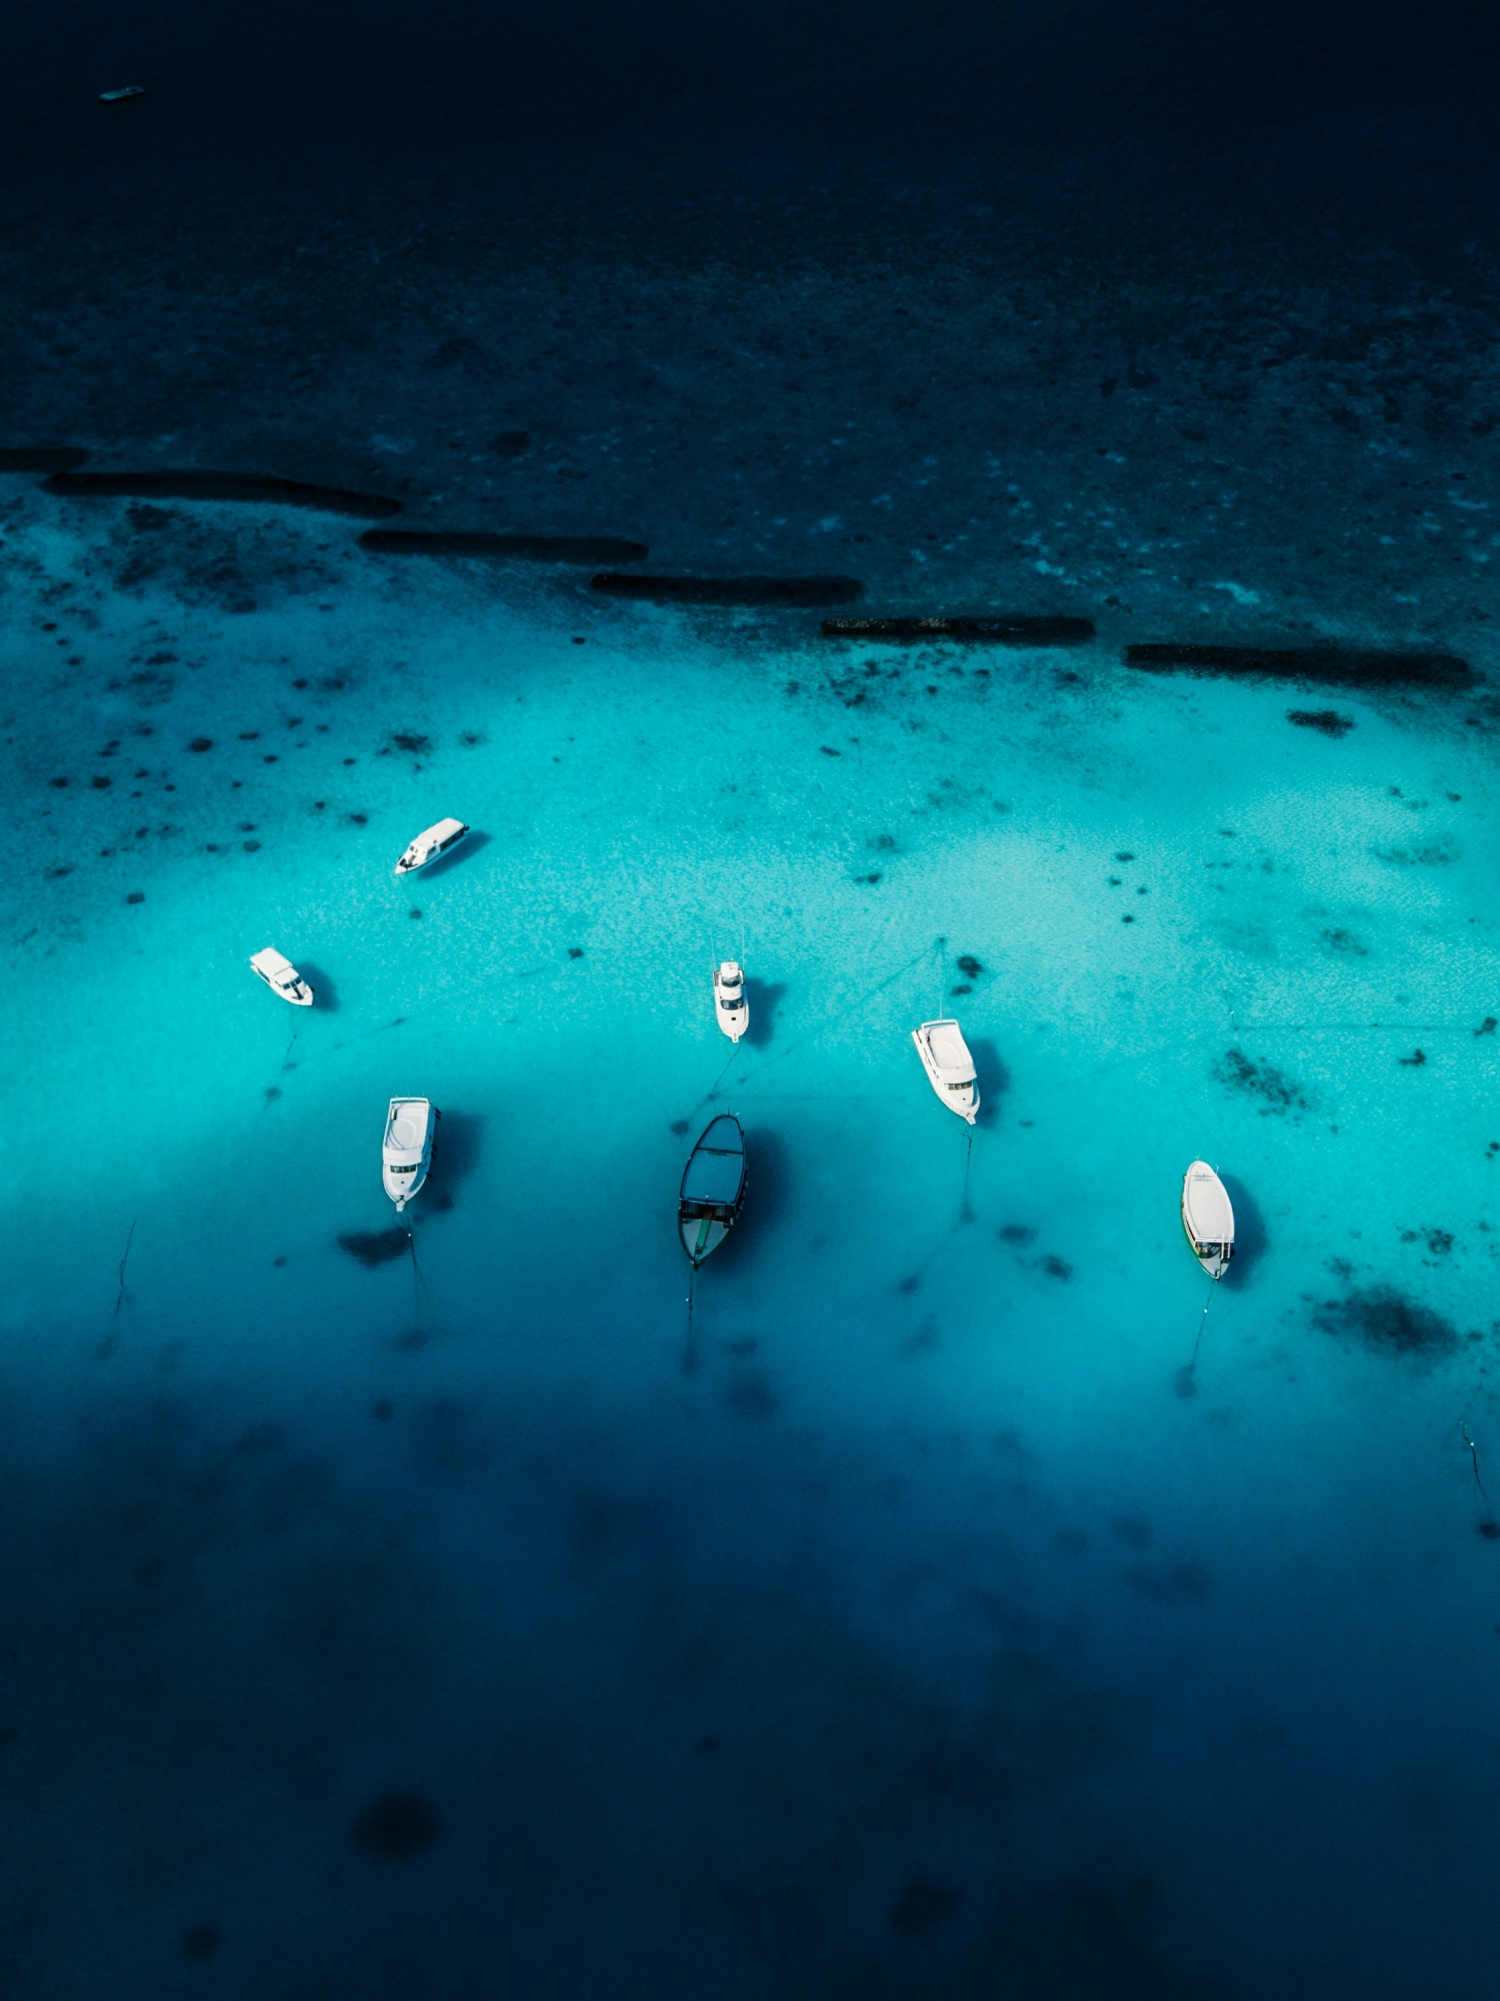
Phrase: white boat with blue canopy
[1208,1218]
[713,1188]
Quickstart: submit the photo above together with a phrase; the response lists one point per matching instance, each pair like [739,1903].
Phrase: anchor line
[418,1288]
[1463,1432]
[289,1048]
[120,1295]
[836,1014]
[689,1356]
[1202,1320]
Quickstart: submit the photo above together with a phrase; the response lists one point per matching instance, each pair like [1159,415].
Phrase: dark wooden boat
[713,1188]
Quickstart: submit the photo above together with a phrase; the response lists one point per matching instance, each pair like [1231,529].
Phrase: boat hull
[733,1022]
[702,1234]
[301,996]
[713,1188]
[406,1150]
[277,972]
[960,1099]
[736,1019]
[1208,1219]
[431,847]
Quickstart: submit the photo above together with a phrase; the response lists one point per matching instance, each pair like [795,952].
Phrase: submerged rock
[375,1247]
[1389,1323]
[1238,1072]
[396,1827]
[1327,722]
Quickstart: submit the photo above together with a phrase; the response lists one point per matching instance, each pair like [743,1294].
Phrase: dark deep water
[445,1618]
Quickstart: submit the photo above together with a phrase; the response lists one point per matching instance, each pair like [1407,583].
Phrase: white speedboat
[713,1188]
[282,977]
[406,1154]
[949,1066]
[438,840]
[730,1004]
[1208,1218]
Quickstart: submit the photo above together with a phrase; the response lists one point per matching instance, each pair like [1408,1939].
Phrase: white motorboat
[1208,1218]
[281,976]
[730,1004]
[713,1188]
[949,1066]
[438,840]
[406,1154]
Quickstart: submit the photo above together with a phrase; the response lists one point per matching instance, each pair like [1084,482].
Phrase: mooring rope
[120,1295]
[1186,1384]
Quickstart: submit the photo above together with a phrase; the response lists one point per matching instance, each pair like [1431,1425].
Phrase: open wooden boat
[713,1188]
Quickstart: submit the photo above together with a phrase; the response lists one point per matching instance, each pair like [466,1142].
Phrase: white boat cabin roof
[272,963]
[440,832]
[406,1124]
[949,1050]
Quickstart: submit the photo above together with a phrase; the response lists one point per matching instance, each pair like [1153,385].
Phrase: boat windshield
[730,1001]
[405,1170]
[966,1085]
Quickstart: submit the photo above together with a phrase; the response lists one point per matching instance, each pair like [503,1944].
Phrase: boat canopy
[408,1127]
[949,1050]
[717,1168]
[1206,1203]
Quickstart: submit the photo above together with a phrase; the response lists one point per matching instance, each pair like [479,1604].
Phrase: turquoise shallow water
[903,1626]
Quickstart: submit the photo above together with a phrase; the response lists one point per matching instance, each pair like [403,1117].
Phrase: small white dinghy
[1208,1218]
[949,1066]
[730,1004]
[406,1153]
[713,1188]
[282,977]
[438,840]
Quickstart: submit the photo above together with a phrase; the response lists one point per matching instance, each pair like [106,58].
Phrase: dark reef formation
[375,1247]
[41,458]
[1019,630]
[1388,1323]
[396,1827]
[527,548]
[1327,722]
[1335,666]
[250,486]
[731,590]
